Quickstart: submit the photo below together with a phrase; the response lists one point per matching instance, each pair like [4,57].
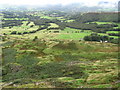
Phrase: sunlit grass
[112,32]
[74,36]
[53,25]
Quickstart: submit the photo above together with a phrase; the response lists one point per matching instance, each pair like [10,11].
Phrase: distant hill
[74,7]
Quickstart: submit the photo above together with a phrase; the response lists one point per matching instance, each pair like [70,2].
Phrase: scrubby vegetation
[59,64]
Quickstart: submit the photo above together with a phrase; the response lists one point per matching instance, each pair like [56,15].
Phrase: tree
[35,38]
[13,32]
[96,37]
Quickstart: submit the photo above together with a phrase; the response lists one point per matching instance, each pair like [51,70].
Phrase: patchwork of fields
[67,33]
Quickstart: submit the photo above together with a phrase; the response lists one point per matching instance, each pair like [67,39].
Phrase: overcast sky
[46,2]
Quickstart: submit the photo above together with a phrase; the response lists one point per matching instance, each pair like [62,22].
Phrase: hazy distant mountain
[74,7]
[119,6]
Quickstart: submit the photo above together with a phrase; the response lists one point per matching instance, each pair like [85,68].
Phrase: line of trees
[11,23]
[114,34]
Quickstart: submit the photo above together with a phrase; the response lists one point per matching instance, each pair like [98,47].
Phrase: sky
[52,2]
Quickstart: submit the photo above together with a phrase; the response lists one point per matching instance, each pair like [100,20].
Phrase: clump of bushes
[96,37]
[11,68]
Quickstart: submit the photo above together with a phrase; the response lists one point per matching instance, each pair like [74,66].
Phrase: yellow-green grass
[70,20]
[53,25]
[18,36]
[61,18]
[114,37]
[70,33]
[72,30]
[24,23]
[74,36]
[31,23]
[103,23]
[115,27]
[112,32]
[47,17]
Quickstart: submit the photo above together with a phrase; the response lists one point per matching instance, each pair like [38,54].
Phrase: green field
[67,33]
[53,25]
[47,17]
[103,22]
[70,20]
[74,36]
[112,32]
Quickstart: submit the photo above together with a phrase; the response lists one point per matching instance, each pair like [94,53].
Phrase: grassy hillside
[59,64]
